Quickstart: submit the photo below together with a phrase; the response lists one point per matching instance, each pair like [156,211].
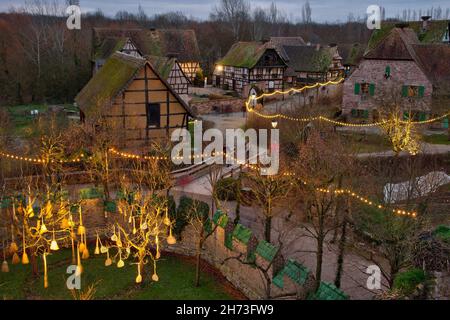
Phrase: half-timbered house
[313,63]
[171,71]
[181,44]
[249,64]
[137,102]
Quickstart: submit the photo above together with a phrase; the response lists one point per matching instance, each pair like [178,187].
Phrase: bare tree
[235,13]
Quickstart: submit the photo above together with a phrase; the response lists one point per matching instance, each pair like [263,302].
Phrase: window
[365,89]
[413,91]
[387,72]
[360,113]
[153,115]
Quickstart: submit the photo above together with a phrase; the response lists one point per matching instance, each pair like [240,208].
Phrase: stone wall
[373,71]
[218,106]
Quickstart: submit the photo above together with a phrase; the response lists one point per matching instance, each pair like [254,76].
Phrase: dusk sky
[322,10]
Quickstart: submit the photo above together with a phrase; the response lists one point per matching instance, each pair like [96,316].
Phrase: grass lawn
[368,143]
[176,278]
[24,124]
[437,139]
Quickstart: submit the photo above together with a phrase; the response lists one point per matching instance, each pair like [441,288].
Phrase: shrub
[227,189]
[406,282]
[442,232]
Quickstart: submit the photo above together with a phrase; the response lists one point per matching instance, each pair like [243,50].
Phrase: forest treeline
[41,61]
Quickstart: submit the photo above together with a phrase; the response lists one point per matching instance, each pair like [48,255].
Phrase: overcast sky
[322,10]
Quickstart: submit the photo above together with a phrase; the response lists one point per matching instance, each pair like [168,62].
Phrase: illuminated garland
[38,160]
[321,118]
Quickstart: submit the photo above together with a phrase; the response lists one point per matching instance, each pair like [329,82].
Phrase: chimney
[425,23]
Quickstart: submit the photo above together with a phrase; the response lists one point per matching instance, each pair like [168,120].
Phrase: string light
[252,100]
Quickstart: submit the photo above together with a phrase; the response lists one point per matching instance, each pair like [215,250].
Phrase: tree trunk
[197,266]
[340,259]
[268,229]
[319,260]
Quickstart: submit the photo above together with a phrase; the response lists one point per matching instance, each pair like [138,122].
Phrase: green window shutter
[354,112]
[404,91]
[422,116]
[388,71]
[366,114]
[445,123]
[357,88]
[372,89]
[421,91]
[405,115]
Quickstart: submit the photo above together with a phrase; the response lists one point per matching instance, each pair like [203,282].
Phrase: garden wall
[218,106]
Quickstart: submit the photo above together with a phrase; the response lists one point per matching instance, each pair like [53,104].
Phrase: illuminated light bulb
[15,259]
[139,276]
[144,226]
[155,277]
[54,245]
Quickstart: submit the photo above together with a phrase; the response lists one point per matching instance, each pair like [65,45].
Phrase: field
[176,276]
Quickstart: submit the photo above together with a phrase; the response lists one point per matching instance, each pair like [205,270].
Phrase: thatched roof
[244,54]
[280,42]
[114,77]
[162,64]
[309,58]
[109,46]
[159,42]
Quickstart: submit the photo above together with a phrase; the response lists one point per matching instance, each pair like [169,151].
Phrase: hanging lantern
[97,249]
[13,248]
[144,226]
[81,230]
[25,259]
[65,224]
[5,267]
[79,269]
[171,239]
[82,247]
[139,276]
[166,218]
[155,277]
[43,228]
[120,264]
[274,124]
[108,261]
[15,259]
[85,255]
[54,245]
[103,249]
